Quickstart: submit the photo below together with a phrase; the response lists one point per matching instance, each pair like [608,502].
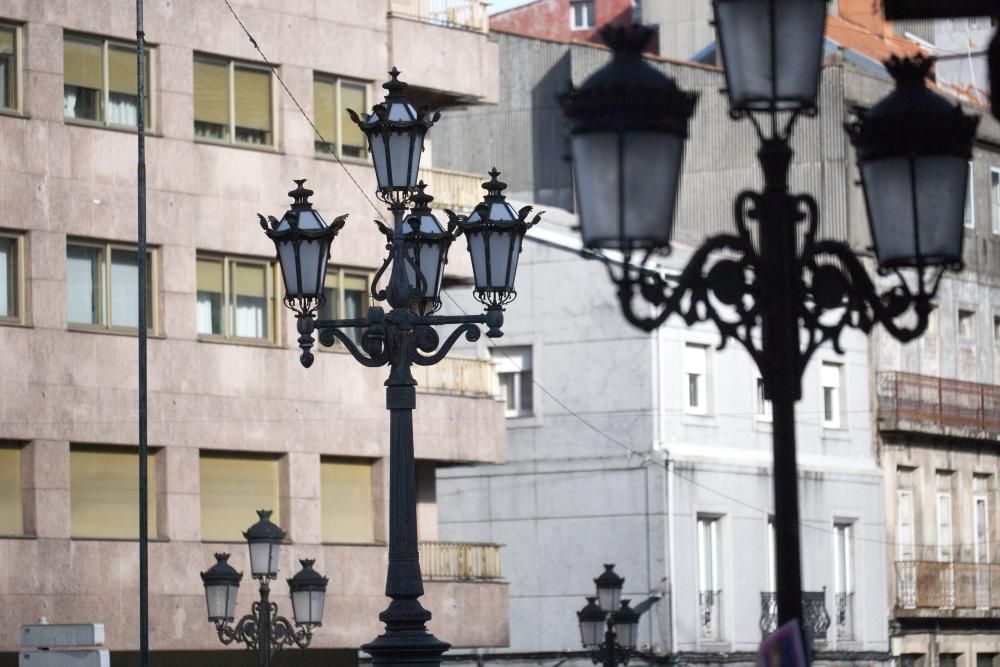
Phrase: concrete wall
[64,386]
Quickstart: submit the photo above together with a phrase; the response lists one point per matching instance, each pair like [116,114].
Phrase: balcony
[954,590]
[456,190]
[710,616]
[463,376]
[817,620]
[910,402]
[465,14]
[459,561]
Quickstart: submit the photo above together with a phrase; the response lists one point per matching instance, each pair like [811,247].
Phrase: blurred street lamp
[608,625]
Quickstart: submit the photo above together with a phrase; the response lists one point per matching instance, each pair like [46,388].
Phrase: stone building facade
[235,423]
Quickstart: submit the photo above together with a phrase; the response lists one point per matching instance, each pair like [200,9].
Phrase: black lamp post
[405,335]
[608,625]
[784,293]
[262,630]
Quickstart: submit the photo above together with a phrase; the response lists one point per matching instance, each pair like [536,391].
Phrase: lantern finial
[494,187]
[300,195]
[911,71]
[421,200]
[394,86]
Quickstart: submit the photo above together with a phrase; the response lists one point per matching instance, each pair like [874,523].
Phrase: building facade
[235,423]
[565,20]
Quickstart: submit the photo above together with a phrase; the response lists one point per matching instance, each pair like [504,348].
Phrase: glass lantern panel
[596,170]
[888,190]
[743,27]
[592,632]
[300,607]
[942,182]
[217,599]
[317,601]
[652,168]
[627,634]
[609,598]
[429,262]
[799,49]
[477,250]
[289,272]
[500,259]
[312,260]
[404,155]
[380,159]
[264,558]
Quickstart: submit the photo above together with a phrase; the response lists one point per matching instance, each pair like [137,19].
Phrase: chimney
[866,13]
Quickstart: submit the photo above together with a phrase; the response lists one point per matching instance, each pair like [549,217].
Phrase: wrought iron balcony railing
[933,400]
[465,14]
[924,584]
[844,614]
[817,620]
[465,376]
[710,615]
[459,561]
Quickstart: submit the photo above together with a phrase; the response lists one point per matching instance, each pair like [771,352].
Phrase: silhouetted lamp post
[263,630]
[608,625]
[772,285]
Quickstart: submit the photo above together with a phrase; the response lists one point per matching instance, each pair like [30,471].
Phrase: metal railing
[460,561]
[456,190]
[465,14]
[466,376]
[844,613]
[922,584]
[710,615]
[817,620]
[923,398]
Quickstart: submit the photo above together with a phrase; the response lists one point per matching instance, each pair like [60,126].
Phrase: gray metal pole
[140,57]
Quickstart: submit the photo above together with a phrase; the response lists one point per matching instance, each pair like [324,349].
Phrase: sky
[501,5]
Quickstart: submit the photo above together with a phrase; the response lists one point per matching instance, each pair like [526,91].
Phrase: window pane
[210,297]
[526,386]
[8,277]
[324,101]
[352,96]
[330,310]
[252,90]
[8,68]
[10,491]
[122,86]
[85,284]
[507,390]
[83,80]
[125,288]
[233,488]
[346,493]
[211,100]
[104,493]
[249,306]
[355,302]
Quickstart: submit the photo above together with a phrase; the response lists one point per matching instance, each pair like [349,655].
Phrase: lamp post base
[406,640]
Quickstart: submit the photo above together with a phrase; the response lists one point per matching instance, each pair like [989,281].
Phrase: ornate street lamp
[263,630]
[779,292]
[609,629]
[405,334]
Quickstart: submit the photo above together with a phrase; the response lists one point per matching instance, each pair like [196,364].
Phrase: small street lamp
[405,334]
[262,630]
[773,286]
[609,626]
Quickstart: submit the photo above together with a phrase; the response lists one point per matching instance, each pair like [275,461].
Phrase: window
[762,405]
[948,659]
[104,492]
[236,298]
[515,377]
[944,518]
[232,102]
[986,659]
[830,375]
[843,580]
[772,560]
[996,328]
[695,364]
[11,512]
[102,285]
[346,298]
[995,199]
[332,96]
[905,535]
[11,253]
[966,324]
[346,495]
[709,583]
[9,68]
[233,488]
[981,518]
[99,82]
[912,660]
[970,206]
[581,14]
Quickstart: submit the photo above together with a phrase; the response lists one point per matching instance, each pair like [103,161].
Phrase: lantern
[264,539]
[426,253]
[609,588]
[308,589]
[222,583]
[592,619]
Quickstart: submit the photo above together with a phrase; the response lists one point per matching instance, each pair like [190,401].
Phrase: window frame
[962,315]
[150,88]
[843,559]
[591,12]
[980,495]
[700,379]
[343,272]
[231,65]
[500,355]
[835,420]
[20,290]
[763,407]
[372,490]
[152,509]
[271,297]
[995,199]
[18,473]
[18,108]
[338,120]
[152,307]
[969,211]
[277,507]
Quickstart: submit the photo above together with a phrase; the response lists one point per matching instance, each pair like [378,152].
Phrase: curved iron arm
[426,340]
[247,631]
[283,633]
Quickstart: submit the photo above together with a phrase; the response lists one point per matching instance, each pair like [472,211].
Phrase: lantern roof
[307,579]
[301,220]
[222,572]
[494,209]
[591,612]
[395,112]
[626,614]
[609,578]
[629,94]
[912,119]
[264,530]
[421,220]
